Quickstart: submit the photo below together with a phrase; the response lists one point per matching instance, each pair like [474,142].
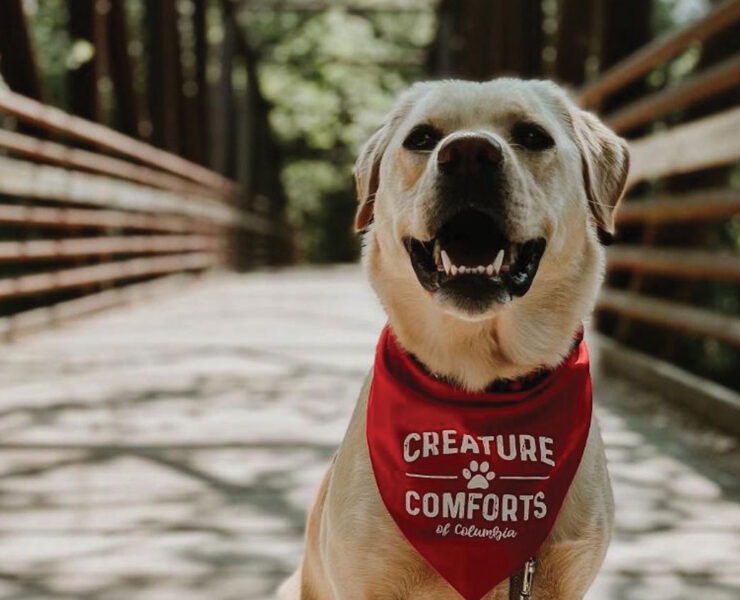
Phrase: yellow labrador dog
[509,181]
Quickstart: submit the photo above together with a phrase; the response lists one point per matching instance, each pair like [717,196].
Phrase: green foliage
[331,76]
[55,51]
[670,14]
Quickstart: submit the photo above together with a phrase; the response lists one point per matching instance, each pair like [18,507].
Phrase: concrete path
[170,450]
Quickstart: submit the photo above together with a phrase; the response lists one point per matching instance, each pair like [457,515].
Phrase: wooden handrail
[27,285]
[640,62]
[20,178]
[704,143]
[676,262]
[687,93]
[664,313]
[57,121]
[76,218]
[83,204]
[75,158]
[79,247]
[691,206]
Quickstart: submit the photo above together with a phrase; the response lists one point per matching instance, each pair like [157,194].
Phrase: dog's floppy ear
[367,176]
[367,167]
[605,161]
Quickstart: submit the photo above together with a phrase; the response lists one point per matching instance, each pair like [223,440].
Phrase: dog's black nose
[469,154]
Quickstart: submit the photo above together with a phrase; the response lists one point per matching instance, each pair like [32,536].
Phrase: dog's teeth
[481,269]
[499,260]
[489,269]
[446,262]
[462,270]
[453,270]
[436,252]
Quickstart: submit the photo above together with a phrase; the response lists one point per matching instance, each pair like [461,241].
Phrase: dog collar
[475,481]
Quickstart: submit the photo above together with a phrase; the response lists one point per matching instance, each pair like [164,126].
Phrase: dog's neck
[476,356]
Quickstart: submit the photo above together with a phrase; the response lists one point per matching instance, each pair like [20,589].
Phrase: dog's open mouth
[470,257]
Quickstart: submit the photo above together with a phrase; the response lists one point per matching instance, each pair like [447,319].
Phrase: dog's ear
[367,167]
[605,162]
[367,176]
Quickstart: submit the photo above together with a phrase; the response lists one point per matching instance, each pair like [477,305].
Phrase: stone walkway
[170,450]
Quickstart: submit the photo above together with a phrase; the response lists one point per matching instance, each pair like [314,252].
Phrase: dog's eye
[423,138]
[531,136]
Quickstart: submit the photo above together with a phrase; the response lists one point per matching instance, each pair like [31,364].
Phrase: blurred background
[188,164]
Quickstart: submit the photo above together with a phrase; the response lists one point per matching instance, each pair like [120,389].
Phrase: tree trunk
[520,25]
[481,39]
[625,27]
[17,58]
[165,75]
[201,63]
[223,155]
[121,71]
[575,40]
[84,98]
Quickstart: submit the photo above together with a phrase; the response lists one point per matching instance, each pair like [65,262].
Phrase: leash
[520,584]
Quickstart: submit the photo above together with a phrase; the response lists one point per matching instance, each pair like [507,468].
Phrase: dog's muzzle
[470,259]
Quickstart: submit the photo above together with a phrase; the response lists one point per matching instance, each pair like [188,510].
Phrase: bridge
[173,387]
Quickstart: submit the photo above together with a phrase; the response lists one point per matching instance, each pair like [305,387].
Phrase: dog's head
[472,195]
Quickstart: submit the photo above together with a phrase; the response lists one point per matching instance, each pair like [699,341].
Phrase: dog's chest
[396,570]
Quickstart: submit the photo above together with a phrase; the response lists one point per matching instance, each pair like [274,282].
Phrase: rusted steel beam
[639,63]
[76,218]
[677,317]
[28,285]
[691,206]
[98,163]
[58,121]
[723,76]
[79,247]
[676,262]
[708,142]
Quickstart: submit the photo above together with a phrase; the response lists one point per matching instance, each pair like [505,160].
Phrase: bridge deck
[170,449]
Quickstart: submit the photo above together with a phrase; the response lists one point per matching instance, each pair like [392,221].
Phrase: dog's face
[474,194]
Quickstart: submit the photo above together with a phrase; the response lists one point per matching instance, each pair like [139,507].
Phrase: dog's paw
[478,475]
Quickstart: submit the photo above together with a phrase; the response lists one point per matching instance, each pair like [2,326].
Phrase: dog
[484,208]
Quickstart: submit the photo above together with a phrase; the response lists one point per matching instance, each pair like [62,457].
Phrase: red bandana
[475,481]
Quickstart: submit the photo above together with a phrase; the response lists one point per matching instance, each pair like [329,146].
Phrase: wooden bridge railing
[81,221]
[87,210]
[669,222]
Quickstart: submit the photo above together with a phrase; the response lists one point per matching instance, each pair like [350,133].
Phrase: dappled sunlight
[189,472]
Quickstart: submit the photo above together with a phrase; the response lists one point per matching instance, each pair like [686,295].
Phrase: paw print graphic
[478,475]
